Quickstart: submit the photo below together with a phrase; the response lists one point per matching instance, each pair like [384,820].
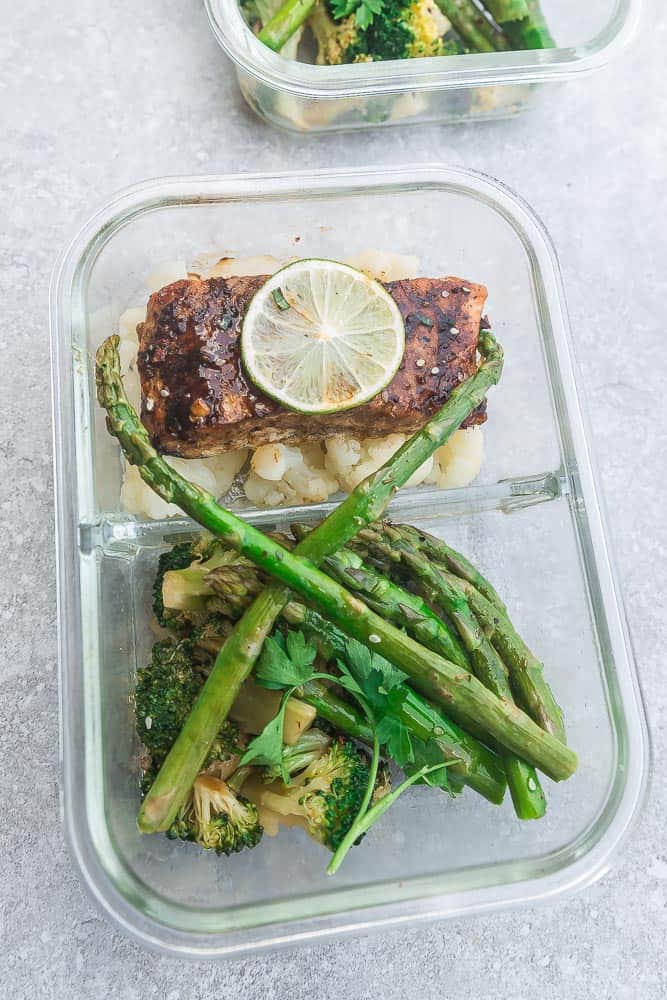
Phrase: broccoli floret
[217,817]
[165,692]
[204,579]
[335,39]
[307,749]
[327,794]
[209,637]
[403,29]
[177,558]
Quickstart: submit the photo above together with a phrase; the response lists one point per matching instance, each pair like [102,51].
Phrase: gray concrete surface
[95,96]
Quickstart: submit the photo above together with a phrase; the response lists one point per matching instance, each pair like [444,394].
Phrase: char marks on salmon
[197,401]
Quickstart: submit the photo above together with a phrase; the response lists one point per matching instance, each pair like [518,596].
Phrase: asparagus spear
[393,602]
[236,660]
[523,22]
[479,34]
[526,672]
[437,550]
[525,789]
[471,762]
[468,701]
[285,22]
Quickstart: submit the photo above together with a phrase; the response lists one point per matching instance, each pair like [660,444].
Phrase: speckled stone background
[95,96]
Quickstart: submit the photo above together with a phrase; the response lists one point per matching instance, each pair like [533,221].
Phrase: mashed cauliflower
[280,474]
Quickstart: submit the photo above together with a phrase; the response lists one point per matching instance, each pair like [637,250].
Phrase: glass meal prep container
[532,521]
[476,87]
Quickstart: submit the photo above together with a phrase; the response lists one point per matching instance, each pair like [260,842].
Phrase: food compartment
[474,241]
[299,96]
[427,843]
[531,521]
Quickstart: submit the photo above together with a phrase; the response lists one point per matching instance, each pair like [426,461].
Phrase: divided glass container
[532,521]
[304,97]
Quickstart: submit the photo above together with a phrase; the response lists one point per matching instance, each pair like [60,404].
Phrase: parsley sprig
[364,10]
[287,663]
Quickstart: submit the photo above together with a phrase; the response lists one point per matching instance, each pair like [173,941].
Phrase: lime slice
[321,336]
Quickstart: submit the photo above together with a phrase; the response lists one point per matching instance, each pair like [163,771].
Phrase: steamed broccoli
[177,558]
[217,817]
[326,795]
[309,747]
[165,691]
[185,593]
[403,29]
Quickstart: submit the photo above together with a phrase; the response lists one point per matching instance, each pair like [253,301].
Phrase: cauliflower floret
[138,498]
[342,453]
[421,474]
[312,485]
[264,493]
[225,467]
[458,462]
[271,461]
[283,474]
[380,450]
[165,274]
[313,454]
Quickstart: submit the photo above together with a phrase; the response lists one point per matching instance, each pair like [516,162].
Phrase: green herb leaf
[301,652]
[362,662]
[285,663]
[267,748]
[384,691]
[364,822]
[279,299]
[363,10]
[347,682]
[343,8]
[427,754]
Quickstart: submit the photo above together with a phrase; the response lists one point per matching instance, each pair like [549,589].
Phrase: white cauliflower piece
[139,499]
[380,450]
[165,274]
[225,467]
[421,474]
[458,462]
[342,453]
[271,461]
[264,493]
[351,460]
[311,485]
[313,454]
[283,474]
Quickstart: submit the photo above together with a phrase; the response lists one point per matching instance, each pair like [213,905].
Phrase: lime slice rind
[320,337]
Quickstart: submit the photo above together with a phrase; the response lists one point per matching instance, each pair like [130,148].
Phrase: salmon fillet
[196,400]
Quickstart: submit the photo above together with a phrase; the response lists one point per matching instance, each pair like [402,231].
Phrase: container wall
[297,95]
[532,522]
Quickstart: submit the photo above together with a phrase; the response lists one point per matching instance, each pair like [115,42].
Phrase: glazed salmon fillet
[197,401]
